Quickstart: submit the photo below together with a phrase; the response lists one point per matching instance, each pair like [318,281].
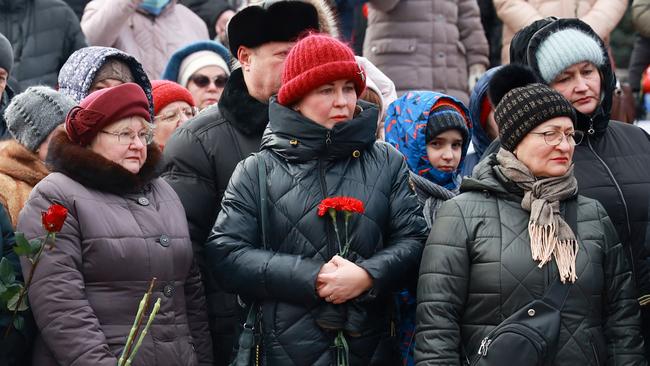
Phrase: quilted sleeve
[236,256]
[622,323]
[442,289]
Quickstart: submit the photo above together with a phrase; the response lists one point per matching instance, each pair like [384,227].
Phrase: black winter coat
[305,163]
[43,33]
[199,160]
[477,269]
[611,164]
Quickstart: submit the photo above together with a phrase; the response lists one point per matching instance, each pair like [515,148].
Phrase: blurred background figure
[427,44]
[43,34]
[380,90]
[215,14]
[640,58]
[149,30]
[203,68]
[6,93]
[173,105]
[93,68]
[601,15]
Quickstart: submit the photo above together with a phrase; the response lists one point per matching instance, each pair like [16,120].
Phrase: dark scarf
[94,171]
[245,113]
[549,234]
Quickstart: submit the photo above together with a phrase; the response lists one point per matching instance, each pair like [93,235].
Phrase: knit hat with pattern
[317,60]
[446,118]
[33,114]
[522,104]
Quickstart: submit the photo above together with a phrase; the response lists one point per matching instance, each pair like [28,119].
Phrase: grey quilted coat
[477,270]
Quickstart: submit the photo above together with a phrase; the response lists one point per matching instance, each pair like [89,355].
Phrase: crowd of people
[300,204]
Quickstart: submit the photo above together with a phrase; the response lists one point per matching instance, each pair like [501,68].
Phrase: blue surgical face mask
[154,7]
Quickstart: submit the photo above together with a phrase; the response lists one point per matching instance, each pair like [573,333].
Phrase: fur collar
[94,171]
[247,114]
[17,162]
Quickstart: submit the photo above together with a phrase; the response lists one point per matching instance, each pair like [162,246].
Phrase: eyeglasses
[127,137]
[554,138]
[202,81]
[175,116]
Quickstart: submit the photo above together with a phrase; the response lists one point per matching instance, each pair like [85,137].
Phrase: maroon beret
[104,107]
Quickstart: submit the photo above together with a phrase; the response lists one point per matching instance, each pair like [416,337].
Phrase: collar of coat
[94,171]
[247,114]
[17,162]
[297,138]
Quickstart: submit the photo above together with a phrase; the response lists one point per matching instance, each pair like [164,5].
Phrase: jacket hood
[245,113]
[406,125]
[480,139]
[94,171]
[78,72]
[298,139]
[173,66]
[17,162]
[525,44]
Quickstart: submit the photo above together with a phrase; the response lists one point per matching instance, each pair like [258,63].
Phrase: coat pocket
[394,45]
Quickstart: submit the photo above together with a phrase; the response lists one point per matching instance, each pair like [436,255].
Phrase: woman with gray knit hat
[32,117]
[611,164]
[519,233]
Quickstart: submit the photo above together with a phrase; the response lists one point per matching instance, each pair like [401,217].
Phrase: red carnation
[54,217]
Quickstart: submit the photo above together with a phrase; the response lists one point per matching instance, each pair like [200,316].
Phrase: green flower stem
[30,276]
[332,213]
[342,350]
[156,307]
[346,248]
[137,323]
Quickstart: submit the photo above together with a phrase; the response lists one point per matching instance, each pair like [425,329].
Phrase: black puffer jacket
[306,163]
[43,33]
[477,269]
[199,160]
[612,162]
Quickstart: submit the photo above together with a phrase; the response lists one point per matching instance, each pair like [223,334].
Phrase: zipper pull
[483,349]
[328,139]
[591,130]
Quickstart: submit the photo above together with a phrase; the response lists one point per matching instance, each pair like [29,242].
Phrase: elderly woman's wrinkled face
[547,150]
[329,104]
[124,142]
[580,84]
[172,116]
[206,85]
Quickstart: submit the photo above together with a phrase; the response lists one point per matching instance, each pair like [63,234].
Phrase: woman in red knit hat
[320,304]
[124,227]
[173,105]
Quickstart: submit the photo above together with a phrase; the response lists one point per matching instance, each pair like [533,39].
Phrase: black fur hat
[521,103]
[271,21]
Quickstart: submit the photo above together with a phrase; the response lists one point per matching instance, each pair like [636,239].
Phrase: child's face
[445,150]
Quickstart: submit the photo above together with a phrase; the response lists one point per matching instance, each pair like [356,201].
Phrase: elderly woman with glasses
[173,105]
[201,67]
[520,232]
[124,227]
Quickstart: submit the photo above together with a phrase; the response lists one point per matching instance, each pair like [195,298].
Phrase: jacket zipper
[620,193]
[323,186]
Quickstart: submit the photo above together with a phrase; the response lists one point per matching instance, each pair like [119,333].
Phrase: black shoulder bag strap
[247,337]
[558,292]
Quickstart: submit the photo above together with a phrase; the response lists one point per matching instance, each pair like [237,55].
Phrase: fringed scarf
[549,234]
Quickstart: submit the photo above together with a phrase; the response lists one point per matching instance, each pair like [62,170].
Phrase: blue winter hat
[174,65]
[406,124]
[564,48]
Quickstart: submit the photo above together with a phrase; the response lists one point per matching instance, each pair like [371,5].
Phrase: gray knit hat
[6,54]
[36,112]
[446,118]
[565,48]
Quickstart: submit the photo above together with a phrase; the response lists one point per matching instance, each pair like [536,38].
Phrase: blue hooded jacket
[406,125]
[480,139]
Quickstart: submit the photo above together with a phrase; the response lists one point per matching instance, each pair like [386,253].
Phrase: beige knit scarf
[549,234]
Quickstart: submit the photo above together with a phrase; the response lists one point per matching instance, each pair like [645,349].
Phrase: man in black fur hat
[201,155]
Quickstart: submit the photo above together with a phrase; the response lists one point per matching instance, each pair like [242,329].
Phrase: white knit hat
[198,60]
[565,48]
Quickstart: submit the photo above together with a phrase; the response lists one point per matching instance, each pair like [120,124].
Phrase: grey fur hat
[33,114]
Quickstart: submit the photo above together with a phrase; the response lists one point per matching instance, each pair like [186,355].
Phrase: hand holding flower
[347,282]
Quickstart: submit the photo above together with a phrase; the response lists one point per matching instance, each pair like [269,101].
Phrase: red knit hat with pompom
[166,92]
[317,60]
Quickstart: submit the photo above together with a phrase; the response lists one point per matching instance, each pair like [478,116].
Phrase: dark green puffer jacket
[477,270]
[306,163]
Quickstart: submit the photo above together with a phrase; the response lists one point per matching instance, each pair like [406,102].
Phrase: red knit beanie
[317,60]
[166,92]
[104,107]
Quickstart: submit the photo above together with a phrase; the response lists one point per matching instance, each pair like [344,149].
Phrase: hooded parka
[611,163]
[477,269]
[306,163]
[122,230]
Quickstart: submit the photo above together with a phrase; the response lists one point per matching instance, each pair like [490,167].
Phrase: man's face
[263,68]
[4,77]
